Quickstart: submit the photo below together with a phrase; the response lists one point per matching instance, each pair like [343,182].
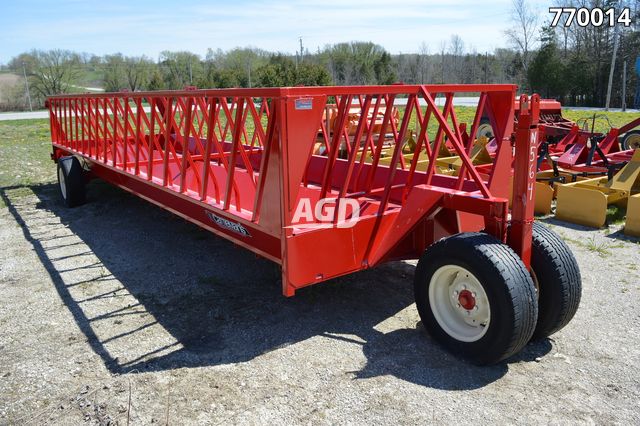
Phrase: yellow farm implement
[632,226]
[586,202]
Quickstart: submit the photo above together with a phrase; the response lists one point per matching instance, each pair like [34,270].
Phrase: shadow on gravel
[223,305]
[553,221]
[620,235]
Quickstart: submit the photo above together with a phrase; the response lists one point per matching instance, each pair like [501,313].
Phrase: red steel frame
[239,162]
[574,148]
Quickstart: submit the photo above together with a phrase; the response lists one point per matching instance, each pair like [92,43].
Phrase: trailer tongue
[243,163]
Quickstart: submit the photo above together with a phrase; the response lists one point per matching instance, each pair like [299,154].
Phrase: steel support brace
[524,179]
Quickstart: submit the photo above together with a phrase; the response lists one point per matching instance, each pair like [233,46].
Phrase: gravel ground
[120,312]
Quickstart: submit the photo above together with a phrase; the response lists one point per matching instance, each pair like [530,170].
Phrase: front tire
[475,297]
[71,181]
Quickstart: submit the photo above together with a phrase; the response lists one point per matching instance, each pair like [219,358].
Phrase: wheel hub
[459,303]
[466,300]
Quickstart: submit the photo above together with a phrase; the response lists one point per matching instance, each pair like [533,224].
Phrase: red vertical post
[168,113]
[139,113]
[115,107]
[76,139]
[83,123]
[53,129]
[185,143]
[63,120]
[104,133]
[125,131]
[95,126]
[524,178]
[66,108]
[152,138]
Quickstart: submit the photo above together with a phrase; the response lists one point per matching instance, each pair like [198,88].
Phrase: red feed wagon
[241,163]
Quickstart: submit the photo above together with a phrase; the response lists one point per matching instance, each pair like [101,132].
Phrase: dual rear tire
[476,297]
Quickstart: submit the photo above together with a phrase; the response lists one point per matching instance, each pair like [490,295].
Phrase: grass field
[25,146]
[604,120]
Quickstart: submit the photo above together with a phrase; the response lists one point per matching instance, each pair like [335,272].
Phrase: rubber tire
[507,283]
[559,282]
[624,143]
[73,175]
[484,121]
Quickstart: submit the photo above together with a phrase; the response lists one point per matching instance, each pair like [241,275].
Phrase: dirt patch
[117,311]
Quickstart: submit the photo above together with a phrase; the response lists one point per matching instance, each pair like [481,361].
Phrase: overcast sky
[135,27]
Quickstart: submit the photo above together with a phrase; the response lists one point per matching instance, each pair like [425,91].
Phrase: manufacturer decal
[304,103]
[228,224]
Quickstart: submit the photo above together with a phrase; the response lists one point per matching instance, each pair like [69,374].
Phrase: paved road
[6,116]
[23,115]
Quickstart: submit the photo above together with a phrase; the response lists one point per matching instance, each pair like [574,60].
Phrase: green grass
[601,248]
[615,215]
[604,120]
[463,115]
[603,123]
[25,147]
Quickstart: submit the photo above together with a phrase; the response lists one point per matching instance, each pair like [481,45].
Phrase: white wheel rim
[63,183]
[459,303]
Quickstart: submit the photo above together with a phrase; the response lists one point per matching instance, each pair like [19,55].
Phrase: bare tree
[53,71]
[136,71]
[443,68]
[456,49]
[114,78]
[522,34]
[423,62]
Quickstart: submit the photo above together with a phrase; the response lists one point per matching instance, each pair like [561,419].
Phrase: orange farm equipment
[243,164]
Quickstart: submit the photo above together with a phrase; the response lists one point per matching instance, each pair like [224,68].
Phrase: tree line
[353,63]
[571,64]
